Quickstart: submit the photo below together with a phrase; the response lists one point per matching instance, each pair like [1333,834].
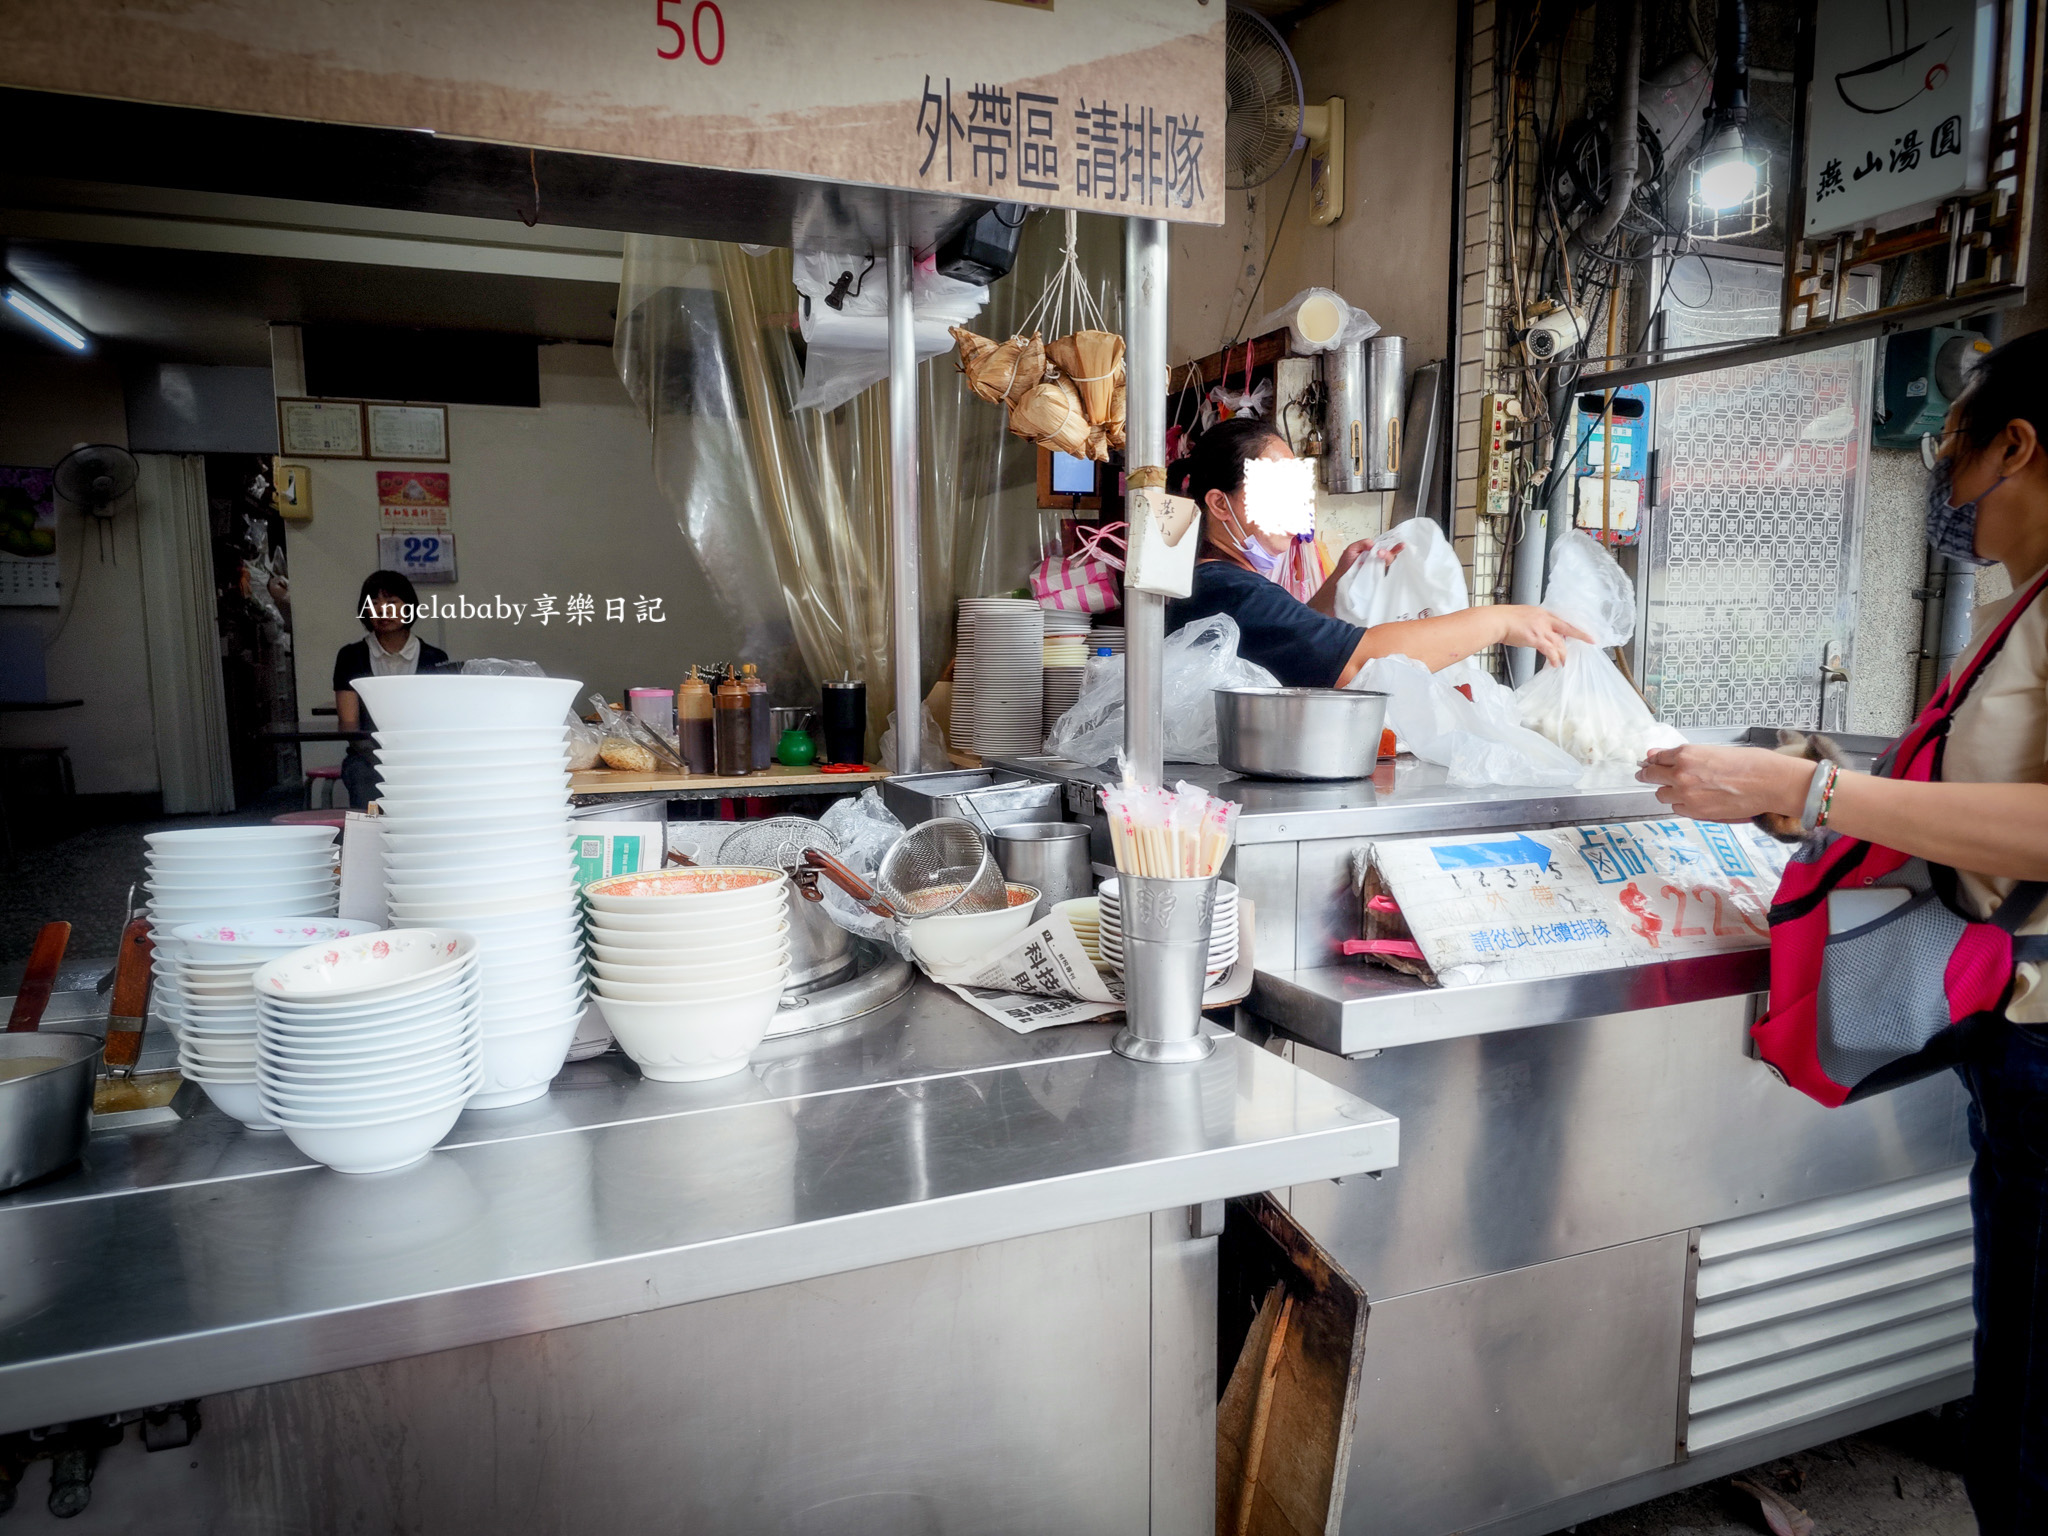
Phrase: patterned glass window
[1751,556]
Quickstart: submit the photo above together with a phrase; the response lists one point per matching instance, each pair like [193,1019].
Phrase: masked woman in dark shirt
[1305,645]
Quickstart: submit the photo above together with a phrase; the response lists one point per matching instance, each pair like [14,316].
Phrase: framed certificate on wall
[416,433]
[320,429]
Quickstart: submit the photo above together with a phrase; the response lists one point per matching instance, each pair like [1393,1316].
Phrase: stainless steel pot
[44,1117]
[1052,855]
[820,951]
[1299,733]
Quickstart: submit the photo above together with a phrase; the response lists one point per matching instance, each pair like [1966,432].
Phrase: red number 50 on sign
[707,25]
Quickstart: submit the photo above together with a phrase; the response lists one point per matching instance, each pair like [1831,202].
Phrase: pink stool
[327,818]
[331,777]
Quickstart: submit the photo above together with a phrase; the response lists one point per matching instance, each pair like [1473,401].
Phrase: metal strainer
[941,866]
[776,843]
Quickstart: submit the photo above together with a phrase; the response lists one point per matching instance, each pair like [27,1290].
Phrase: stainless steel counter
[198,1258]
[1402,798]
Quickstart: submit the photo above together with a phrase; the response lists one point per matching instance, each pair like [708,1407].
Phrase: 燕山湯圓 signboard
[1114,106]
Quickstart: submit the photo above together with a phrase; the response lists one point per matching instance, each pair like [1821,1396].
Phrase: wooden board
[609,781]
[1283,1428]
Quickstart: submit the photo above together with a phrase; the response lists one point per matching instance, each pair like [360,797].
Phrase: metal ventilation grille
[1821,1306]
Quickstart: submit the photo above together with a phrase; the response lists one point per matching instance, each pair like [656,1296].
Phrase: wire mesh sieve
[941,866]
[775,843]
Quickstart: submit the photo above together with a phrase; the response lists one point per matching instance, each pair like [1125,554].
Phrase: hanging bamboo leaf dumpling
[1094,362]
[974,351]
[1012,370]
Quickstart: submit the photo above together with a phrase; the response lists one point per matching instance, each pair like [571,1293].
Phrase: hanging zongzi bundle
[1050,414]
[1093,361]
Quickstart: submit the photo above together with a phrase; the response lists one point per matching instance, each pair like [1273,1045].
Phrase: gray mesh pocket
[1881,995]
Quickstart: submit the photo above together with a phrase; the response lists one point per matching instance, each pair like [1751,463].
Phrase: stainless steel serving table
[889,1278]
[1618,1256]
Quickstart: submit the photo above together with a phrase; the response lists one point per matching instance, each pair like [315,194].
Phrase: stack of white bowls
[216,966]
[197,875]
[475,798]
[1222,928]
[1004,642]
[690,966]
[1106,635]
[367,1048]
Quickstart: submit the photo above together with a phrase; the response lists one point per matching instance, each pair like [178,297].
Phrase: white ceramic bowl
[287,887]
[450,912]
[494,777]
[481,862]
[953,939]
[716,894]
[175,914]
[692,991]
[366,965]
[683,948]
[533,964]
[233,871]
[342,1051]
[494,738]
[460,791]
[517,1068]
[466,759]
[192,839]
[432,994]
[712,971]
[678,922]
[691,1042]
[422,1070]
[523,811]
[290,1103]
[559,988]
[217,1052]
[415,840]
[378,1147]
[243,941]
[238,1101]
[454,703]
[507,884]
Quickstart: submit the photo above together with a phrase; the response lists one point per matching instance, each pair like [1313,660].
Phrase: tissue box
[1164,534]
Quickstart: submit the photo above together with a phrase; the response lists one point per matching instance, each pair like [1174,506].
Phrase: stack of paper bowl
[1222,928]
[474,793]
[198,875]
[367,1048]
[690,966]
[1006,673]
[216,965]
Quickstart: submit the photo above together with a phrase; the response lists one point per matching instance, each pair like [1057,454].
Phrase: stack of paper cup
[474,793]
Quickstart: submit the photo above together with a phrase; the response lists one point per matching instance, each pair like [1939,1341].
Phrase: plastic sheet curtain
[787,510]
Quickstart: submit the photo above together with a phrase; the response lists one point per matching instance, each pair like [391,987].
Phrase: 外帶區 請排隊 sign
[1114,106]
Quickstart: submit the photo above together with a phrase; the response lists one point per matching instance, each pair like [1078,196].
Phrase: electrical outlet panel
[1497,415]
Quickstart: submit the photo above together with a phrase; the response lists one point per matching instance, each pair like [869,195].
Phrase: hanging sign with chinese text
[1114,106]
[1899,113]
[412,499]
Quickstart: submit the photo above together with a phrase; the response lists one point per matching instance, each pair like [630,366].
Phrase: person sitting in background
[390,649]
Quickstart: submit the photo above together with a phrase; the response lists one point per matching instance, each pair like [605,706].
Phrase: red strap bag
[1876,964]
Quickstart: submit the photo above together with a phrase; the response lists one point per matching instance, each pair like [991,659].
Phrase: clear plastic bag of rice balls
[1586,706]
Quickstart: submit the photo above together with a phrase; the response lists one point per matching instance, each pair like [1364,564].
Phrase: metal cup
[1052,855]
[1166,958]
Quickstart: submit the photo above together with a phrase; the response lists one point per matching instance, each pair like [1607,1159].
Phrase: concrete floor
[1891,1481]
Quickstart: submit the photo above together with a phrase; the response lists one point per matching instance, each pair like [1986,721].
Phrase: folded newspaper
[1045,978]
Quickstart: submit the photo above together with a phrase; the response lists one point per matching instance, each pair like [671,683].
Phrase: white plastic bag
[1318,320]
[1477,740]
[1585,705]
[864,830]
[847,348]
[1200,658]
[1423,580]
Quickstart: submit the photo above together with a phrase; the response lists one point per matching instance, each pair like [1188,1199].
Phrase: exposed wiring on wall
[1266,266]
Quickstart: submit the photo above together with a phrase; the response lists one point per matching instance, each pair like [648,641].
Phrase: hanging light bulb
[1727,175]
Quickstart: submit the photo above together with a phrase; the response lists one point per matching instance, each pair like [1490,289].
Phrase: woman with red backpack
[1911,933]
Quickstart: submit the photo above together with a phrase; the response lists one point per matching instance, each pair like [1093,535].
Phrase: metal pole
[906,662]
[1145,270]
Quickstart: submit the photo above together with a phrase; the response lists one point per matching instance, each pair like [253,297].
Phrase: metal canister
[844,716]
[1166,924]
[1344,383]
[1386,394]
[1050,855]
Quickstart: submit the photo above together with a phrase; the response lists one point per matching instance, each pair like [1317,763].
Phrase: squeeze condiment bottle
[693,722]
[732,729]
[763,752]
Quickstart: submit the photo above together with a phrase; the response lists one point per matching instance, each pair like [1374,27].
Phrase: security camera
[1554,331]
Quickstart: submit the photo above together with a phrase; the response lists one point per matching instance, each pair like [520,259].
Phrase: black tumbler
[845,714]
